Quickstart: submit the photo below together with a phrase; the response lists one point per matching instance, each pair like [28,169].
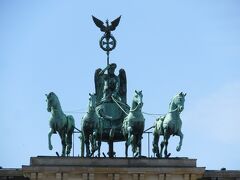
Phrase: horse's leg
[139,144]
[125,135]
[111,153]
[126,148]
[86,141]
[82,144]
[180,134]
[166,138]
[130,140]
[99,147]
[50,147]
[94,142]
[100,136]
[155,148]
[63,139]
[162,146]
[69,133]
[69,142]
[140,147]
[134,145]
[99,142]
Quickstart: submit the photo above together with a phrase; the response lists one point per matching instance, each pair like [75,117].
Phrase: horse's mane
[56,99]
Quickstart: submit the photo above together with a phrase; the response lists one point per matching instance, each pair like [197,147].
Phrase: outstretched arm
[103,71]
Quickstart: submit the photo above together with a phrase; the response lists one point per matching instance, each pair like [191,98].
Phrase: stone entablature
[75,168]
[221,175]
[12,173]
[112,169]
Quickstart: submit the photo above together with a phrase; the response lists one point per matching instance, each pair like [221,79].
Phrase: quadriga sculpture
[91,128]
[168,125]
[60,123]
[133,125]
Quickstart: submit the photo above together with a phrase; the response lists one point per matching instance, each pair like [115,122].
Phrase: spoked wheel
[107,43]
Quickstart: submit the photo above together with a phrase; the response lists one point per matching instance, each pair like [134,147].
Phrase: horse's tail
[70,122]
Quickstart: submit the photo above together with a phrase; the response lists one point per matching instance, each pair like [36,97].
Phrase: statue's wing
[115,23]
[99,23]
[123,85]
[98,84]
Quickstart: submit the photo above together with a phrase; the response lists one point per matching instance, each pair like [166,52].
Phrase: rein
[173,110]
[119,105]
[135,108]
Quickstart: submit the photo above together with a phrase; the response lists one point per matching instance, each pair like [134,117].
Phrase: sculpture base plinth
[64,168]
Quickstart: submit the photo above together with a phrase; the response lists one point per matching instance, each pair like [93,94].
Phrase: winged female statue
[111,93]
[108,85]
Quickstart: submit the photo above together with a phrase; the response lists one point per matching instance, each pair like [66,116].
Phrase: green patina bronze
[91,129]
[107,41]
[168,125]
[59,123]
[133,125]
[109,118]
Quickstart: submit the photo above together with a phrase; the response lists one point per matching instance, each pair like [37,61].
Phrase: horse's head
[92,101]
[137,99]
[52,101]
[177,103]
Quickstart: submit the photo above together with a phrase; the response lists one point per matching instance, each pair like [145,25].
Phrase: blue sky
[164,46]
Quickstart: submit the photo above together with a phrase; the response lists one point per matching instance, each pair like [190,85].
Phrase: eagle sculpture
[108,28]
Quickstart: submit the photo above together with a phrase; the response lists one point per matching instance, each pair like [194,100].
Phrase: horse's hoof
[178,148]
[136,155]
[50,147]
[168,155]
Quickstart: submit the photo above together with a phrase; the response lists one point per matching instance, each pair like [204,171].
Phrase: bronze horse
[168,125]
[133,125]
[61,123]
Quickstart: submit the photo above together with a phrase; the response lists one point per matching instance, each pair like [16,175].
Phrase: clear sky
[165,47]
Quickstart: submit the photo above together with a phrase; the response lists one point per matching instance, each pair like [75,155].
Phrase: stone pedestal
[75,168]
